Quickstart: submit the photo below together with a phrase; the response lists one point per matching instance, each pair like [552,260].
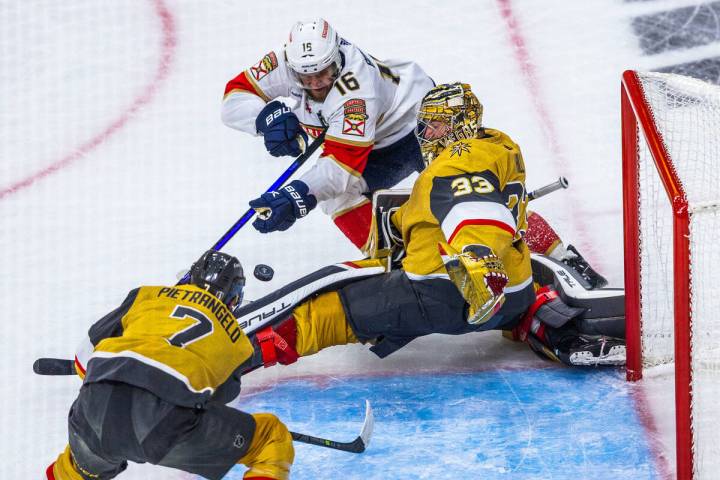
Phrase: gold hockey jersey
[181,343]
[472,193]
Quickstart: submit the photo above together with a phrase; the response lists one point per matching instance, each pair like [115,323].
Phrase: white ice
[148,177]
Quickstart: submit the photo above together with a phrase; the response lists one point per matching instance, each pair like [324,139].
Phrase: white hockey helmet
[313,46]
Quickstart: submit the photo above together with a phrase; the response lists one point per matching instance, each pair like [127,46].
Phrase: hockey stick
[277,184]
[59,366]
[356,446]
[549,188]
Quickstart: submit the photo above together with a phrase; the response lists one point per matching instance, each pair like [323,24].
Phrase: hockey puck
[263,272]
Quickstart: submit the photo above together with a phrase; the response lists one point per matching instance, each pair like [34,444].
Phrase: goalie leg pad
[393,310]
[277,344]
[315,324]
[548,310]
[550,327]
[321,323]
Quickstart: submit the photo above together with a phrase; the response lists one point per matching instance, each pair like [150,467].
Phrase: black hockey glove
[281,130]
[278,210]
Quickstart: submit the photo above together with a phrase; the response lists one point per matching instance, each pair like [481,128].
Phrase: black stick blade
[356,446]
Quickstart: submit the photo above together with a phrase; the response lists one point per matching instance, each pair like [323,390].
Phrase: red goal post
[671,159]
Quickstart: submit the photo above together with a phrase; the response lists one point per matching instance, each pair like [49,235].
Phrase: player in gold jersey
[158,372]
[466,265]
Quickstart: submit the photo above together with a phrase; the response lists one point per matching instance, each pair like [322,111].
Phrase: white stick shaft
[559,184]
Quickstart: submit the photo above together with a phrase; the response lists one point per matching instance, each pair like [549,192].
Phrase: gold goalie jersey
[472,193]
[180,343]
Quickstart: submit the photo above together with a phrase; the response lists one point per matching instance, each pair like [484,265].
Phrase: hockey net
[671,165]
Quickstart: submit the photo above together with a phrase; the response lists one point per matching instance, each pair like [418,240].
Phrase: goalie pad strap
[542,296]
[275,347]
[549,310]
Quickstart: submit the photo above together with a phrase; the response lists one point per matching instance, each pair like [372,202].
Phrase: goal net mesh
[687,115]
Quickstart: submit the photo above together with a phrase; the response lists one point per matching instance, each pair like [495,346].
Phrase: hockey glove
[480,277]
[278,210]
[281,130]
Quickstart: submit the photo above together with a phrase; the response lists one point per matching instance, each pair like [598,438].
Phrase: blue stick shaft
[277,184]
[250,213]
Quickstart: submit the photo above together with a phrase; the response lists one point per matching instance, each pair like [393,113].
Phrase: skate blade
[615,356]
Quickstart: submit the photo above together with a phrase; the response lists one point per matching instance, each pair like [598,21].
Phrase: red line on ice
[527,68]
[169,42]
[642,407]
[560,161]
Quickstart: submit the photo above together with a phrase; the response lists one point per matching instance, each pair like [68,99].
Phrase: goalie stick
[560,183]
[61,366]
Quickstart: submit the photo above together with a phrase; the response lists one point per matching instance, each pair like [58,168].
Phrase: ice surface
[498,423]
[116,171]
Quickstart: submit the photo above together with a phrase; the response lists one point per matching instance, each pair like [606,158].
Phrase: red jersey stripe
[481,221]
[242,83]
[352,157]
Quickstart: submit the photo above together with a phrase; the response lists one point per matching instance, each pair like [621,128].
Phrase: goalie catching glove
[480,277]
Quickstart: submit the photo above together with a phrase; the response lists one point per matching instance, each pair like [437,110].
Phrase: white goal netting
[687,115]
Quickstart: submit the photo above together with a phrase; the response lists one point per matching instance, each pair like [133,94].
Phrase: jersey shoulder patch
[266,65]
[354,117]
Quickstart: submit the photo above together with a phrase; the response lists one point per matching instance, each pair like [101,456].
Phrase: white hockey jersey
[371,105]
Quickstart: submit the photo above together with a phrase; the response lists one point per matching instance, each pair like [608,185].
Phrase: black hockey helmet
[220,274]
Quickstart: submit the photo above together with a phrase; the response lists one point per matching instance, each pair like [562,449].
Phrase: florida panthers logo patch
[355,117]
[266,65]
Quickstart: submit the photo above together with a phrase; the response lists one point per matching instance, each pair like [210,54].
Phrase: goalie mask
[448,113]
[220,274]
[313,53]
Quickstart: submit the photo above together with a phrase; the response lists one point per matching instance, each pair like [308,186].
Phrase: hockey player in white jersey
[367,106]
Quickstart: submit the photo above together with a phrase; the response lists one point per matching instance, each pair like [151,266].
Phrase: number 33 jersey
[472,193]
[180,343]
[371,105]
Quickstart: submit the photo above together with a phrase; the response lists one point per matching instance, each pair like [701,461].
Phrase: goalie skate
[594,350]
